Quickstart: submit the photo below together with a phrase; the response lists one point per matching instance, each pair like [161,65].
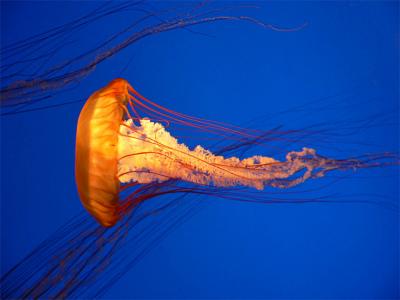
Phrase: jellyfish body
[78,255]
[113,154]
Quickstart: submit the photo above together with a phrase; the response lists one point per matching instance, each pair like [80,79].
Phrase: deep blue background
[348,51]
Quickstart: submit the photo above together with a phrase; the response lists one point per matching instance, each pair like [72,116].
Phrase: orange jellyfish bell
[96,161]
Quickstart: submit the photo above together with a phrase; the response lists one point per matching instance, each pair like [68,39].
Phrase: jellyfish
[126,159]
[142,158]
[117,147]
[74,257]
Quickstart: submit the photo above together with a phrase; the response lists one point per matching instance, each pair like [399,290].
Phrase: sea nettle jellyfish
[133,171]
[128,163]
[118,148]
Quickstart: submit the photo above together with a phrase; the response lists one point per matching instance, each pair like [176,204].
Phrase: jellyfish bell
[96,151]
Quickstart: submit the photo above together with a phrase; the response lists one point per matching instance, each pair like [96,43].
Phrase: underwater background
[341,69]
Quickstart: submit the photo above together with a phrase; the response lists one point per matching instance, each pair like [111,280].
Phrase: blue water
[341,68]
